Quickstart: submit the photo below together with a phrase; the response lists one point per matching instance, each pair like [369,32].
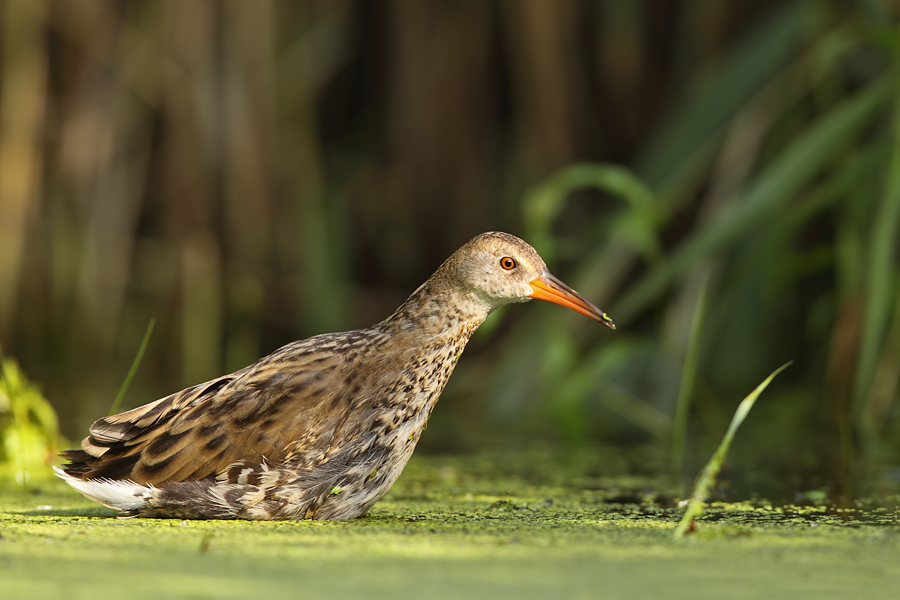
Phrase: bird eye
[507,263]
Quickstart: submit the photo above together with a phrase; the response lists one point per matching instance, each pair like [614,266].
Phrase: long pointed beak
[549,287]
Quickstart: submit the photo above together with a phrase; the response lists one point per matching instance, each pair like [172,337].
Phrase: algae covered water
[470,526]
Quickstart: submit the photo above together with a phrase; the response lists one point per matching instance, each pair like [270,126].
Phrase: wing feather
[283,405]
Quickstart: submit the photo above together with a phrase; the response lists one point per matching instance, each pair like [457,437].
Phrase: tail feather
[123,495]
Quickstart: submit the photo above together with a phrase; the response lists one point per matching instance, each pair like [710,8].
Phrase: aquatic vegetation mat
[459,527]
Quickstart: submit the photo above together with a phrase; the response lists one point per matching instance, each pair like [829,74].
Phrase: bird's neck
[439,309]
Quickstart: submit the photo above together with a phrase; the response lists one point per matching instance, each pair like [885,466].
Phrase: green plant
[29,430]
[707,477]
[773,187]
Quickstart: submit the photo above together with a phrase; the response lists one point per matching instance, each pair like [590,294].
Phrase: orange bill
[548,287]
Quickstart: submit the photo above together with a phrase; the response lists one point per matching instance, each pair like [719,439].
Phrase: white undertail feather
[116,494]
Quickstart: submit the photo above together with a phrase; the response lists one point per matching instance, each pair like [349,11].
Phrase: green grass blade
[880,282]
[134,367]
[686,387]
[709,473]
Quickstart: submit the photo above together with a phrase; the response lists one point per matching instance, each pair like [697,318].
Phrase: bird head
[502,268]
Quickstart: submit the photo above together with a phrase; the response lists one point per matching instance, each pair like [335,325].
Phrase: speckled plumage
[321,428]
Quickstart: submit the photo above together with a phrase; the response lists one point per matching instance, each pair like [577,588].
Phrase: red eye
[507,263]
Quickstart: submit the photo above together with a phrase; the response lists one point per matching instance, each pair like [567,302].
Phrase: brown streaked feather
[271,409]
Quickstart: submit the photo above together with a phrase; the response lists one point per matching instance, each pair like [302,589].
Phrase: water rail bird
[321,428]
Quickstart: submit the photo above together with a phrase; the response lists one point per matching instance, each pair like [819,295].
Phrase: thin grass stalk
[134,367]
[884,396]
[688,376]
[881,288]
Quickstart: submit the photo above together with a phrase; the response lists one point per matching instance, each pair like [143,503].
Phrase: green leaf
[543,203]
[800,163]
[709,473]
[880,280]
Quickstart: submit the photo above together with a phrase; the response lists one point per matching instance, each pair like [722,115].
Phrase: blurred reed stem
[686,385]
